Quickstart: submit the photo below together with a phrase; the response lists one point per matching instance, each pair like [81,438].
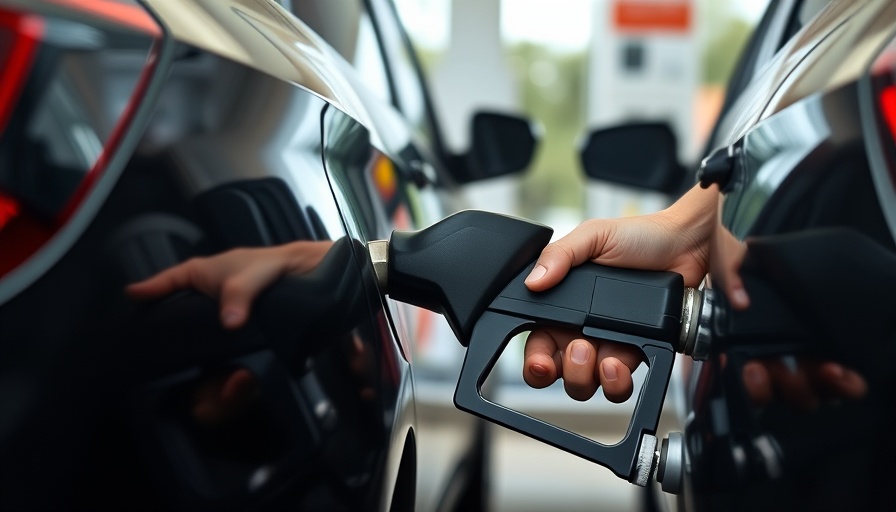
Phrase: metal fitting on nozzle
[670,468]
[664,461]
[647,460]
[379,255]
[696,314]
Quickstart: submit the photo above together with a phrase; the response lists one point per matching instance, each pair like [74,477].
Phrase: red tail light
[888,107]
[883,77]
[880,116]
[9,209]
[65,103]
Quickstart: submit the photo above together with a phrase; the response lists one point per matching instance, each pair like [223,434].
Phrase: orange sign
[652,16]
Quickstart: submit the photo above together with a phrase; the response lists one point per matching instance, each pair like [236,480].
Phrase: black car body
[806,134]
[813,196]
[137,135]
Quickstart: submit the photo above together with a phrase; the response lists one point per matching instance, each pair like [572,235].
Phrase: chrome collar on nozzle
[379,255]
[696,315]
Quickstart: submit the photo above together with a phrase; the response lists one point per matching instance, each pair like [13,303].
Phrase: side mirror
[501,144]
[641,155]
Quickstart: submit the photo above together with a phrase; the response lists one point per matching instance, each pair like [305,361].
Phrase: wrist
[696,210]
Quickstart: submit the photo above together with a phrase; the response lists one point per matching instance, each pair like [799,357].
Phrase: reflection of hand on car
[221,397]
[802,384]
[234,277]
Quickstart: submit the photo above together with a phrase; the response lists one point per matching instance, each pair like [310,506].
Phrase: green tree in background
[725,35]
[552,91]
[558,103]
[552,88]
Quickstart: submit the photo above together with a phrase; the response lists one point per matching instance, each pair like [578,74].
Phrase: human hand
[802,384]
[217,398]
[583,364]
[677,239]
[234,277]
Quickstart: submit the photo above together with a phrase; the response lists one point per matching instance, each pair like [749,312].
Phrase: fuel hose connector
[696,319]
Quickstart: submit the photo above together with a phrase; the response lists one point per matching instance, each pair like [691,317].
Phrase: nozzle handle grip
[634,307]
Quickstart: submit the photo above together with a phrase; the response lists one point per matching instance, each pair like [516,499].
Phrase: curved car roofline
[264,36]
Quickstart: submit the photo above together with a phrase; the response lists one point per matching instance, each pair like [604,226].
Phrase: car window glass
[783,20]
[409,87]
[374,195]
[809,9]
[348,28]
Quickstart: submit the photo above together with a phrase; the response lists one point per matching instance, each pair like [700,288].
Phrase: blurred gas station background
[572,66]
[575,65]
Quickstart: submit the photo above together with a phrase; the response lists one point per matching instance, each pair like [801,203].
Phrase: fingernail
[579,353]
[537,273]
[230,318]
[538,370]
[739,297]
[609,371]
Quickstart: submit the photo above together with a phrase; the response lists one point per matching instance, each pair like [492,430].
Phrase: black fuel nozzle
[457,266]
[471,268]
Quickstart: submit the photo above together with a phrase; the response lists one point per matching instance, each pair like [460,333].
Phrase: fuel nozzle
[458,265]
[471,267]
[694,335]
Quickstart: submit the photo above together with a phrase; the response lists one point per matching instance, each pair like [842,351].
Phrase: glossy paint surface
[260,136]
[818,265]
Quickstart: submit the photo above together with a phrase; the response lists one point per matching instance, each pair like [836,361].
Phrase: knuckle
[193,269]
[191,264]
[551,250]
[588,225]
[557,254]
[233,286]
[566,249]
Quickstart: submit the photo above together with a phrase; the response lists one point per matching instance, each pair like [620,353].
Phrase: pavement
[530,476]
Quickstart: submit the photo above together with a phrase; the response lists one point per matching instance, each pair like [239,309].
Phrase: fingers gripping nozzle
[471,267]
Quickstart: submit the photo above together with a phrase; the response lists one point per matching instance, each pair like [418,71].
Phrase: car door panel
[802,199]
[370,185]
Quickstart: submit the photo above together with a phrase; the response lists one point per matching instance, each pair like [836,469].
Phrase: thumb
[236,300]
[726,269]
[575,248]
[239,291]
[556,259]
[551,267]
[735,291]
